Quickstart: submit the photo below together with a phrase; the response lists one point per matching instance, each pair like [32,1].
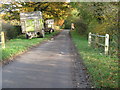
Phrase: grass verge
[20,44]
[103,69]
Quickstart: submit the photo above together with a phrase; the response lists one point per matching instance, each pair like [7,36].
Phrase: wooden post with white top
[89,39]
[3,40]
[106,44]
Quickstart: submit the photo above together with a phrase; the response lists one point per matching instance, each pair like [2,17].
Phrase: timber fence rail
[96,41]
[2,42]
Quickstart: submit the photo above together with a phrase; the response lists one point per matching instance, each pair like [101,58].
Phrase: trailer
[49,25]
[32,24]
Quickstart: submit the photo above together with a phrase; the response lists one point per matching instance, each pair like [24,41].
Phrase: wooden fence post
[96,41]
[3,40]
[106,44]
[89,39]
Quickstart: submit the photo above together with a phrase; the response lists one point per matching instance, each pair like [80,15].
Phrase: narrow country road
[50,65]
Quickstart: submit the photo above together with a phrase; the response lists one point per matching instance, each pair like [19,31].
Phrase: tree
[56,10]
[101,18]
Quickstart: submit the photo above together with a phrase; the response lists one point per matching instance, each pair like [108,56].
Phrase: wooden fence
[2,39]
[96,41]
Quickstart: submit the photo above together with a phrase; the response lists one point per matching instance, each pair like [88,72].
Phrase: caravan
[32,24]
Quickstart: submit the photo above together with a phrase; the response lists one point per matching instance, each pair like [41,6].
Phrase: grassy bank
[20,44]
[102,69]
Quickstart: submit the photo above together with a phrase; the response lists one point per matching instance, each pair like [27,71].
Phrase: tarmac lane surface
[50,65]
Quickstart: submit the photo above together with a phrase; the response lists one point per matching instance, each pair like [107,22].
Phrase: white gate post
[89,39]
[3,39]
[96,41]
[106,44]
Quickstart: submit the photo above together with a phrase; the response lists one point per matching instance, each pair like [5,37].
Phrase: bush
[81,27]
[57,27]
[11,31]
[67,24]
